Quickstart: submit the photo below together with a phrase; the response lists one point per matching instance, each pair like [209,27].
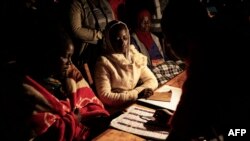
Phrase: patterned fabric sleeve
[56,117]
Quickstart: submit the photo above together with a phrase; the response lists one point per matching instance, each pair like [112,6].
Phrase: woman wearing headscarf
[120,68]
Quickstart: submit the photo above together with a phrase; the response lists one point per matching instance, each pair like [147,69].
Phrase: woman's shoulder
[137,56]
[134,51]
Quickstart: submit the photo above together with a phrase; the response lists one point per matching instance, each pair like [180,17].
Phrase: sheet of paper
[161,96]
[132,122]
[172,104]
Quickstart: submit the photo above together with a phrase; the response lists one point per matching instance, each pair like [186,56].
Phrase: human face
[65,59]
[145,24]
[120,41]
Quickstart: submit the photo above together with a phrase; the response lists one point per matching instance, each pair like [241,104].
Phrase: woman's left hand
[146,93]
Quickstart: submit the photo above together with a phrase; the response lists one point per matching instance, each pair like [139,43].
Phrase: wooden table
[178,81]
[112,134]
[117,135]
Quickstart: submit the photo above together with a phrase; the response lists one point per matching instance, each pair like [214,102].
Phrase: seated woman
[120,68]
[148,44]
[58,102]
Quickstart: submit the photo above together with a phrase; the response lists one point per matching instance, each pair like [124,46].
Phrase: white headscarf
[108,48]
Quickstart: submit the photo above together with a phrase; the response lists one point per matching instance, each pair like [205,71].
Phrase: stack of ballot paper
[135,120]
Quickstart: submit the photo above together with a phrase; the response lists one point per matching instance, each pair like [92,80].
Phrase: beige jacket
[116,78]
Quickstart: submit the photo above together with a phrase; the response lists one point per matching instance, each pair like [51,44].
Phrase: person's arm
[76,75]
[148,79]
[109,96]
[146,75]
[83,33]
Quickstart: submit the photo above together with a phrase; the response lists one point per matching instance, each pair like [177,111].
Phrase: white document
[175,98]
[132,121]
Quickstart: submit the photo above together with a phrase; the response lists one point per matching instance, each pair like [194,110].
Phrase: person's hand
[146,93]
[162,115]
[99,35]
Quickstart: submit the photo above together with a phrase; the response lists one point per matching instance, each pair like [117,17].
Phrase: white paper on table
[131,122]
[175,98]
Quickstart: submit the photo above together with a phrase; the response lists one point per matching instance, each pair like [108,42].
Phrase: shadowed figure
[214,94]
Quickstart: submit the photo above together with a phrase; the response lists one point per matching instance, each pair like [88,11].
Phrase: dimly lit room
[125,70]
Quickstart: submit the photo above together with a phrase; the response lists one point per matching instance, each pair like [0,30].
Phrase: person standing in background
[88,19]
[157,16]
